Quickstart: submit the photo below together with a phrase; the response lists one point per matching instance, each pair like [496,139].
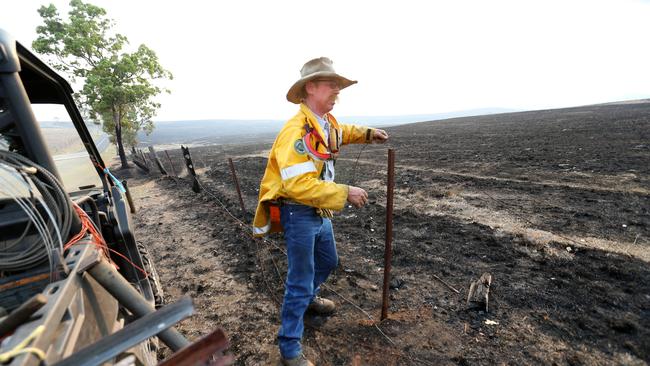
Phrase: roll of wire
[47,207]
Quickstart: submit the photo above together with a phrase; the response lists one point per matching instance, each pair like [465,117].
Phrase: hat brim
[293,95]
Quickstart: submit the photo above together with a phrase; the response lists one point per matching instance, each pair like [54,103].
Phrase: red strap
[319,155]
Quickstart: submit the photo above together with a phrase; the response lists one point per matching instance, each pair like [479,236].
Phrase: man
[298,190]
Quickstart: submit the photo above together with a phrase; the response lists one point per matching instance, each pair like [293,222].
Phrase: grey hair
[302,94]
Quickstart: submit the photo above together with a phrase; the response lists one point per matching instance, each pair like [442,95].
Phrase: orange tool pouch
[274,209]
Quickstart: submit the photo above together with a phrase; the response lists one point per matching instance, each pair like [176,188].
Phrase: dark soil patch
[554,204]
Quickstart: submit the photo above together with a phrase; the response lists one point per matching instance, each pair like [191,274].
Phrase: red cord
[88,227]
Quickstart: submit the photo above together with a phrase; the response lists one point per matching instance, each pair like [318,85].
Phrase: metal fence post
[388,252]
[234,177]
[171,164]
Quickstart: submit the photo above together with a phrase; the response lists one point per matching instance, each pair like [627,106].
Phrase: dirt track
[554,204]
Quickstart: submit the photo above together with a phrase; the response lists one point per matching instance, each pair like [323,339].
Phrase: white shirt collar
[323,122]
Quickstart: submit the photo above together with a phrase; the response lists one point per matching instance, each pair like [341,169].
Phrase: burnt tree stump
[479,291]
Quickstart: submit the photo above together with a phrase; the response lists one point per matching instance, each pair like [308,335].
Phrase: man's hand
[379,136]
[357,196]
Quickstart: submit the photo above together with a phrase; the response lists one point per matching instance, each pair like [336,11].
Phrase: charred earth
[553,204]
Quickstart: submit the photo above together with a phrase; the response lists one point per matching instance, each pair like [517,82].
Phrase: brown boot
[322,306]
[297,361]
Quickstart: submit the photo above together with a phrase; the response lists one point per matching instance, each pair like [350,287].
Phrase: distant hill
[385,121]
[216,131]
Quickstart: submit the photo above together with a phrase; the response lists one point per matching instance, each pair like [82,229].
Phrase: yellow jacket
[293,173]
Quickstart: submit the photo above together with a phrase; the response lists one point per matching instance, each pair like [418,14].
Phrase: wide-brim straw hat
[317,68]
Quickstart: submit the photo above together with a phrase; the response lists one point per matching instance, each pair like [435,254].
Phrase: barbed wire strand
[328,288]
[272,244]
[268,241]
[355,167]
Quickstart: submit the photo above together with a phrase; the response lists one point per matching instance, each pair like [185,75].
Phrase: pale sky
[237,59]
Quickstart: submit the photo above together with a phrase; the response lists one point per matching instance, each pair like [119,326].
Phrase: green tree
[118,86]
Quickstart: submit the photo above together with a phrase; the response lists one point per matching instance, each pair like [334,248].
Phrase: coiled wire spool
[48,209]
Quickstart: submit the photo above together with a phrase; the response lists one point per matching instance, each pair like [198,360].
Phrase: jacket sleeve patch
[299,146]
[297,169]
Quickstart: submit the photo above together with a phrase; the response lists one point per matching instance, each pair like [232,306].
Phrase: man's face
[322,94]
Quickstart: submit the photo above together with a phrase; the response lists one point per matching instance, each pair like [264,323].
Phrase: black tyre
[154,279]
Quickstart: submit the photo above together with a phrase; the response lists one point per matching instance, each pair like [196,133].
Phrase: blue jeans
[311,256]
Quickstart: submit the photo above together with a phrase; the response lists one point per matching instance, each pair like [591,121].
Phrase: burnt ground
[554,204]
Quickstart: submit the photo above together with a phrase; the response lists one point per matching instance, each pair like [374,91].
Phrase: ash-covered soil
[554,204]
